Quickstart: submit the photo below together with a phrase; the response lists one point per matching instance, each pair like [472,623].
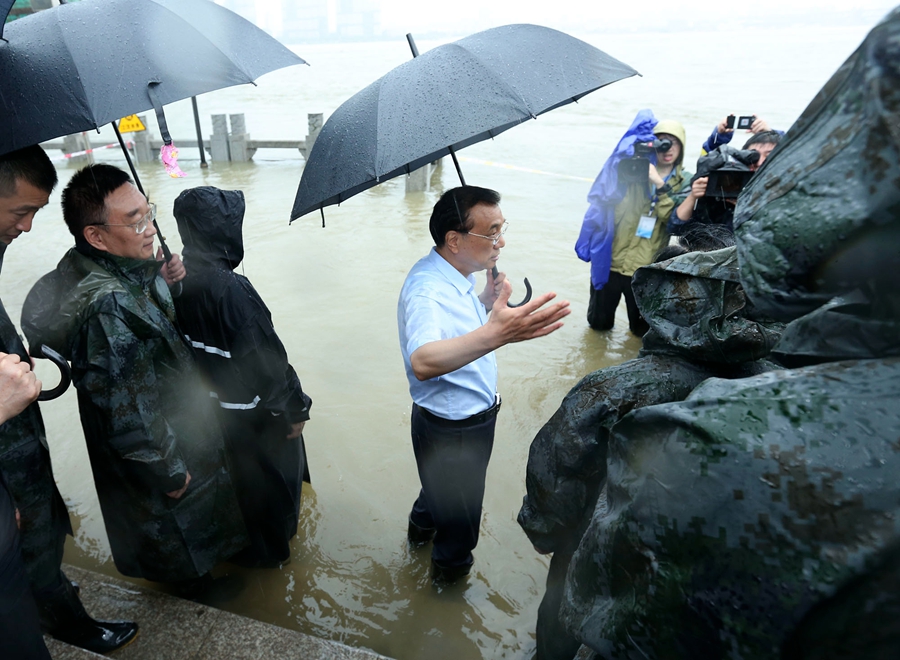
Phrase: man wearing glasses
[447,337]
[155,447]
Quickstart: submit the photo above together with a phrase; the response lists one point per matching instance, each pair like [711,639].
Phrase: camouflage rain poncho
[147,418]
[760,516]
[699,328]
[25,462]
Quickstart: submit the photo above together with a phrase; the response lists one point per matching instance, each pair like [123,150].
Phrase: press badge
[645,226]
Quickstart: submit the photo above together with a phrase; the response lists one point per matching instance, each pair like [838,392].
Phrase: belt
[474,420]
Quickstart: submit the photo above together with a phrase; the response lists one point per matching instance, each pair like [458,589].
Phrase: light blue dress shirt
[438,302]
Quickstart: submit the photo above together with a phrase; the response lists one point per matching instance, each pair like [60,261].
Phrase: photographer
[718,208]
[626,224]
[724,131]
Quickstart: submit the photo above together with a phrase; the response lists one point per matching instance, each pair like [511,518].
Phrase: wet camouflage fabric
[698,329]
[147,418]
[815,220]
[759,518]
[732,513]
[25,462]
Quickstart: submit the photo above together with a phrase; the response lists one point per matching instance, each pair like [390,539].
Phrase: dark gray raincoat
[761,517]
[246,367]
[146,416]
[699,328]
[25,464]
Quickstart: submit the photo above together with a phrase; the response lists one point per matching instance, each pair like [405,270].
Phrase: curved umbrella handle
[495,272]
[65,376]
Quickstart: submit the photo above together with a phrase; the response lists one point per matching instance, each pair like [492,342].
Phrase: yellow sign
[131,124]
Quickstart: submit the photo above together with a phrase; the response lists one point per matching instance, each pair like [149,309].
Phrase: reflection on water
[333,295]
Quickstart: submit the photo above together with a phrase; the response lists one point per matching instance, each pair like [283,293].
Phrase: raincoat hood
[820,219]
[210,222]
[697,310]
[675,128]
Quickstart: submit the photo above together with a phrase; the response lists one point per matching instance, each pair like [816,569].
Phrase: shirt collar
[464,284]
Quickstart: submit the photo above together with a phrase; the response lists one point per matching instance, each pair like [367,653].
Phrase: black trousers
[452,466]
[602,305]
[20,627]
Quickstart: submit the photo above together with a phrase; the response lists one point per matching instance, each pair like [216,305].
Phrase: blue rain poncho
[598,228]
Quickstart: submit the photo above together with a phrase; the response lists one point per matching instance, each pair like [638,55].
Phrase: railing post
[218,141]
[314,122]
[143,150]
[237,142]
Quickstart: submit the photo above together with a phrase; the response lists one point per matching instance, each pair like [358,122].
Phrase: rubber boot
[419,536]
[444,575]
[64,617]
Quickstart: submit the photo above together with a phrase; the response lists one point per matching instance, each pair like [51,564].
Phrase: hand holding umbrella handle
[65,375]
[495,273]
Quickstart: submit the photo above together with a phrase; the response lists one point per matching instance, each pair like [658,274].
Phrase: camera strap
[654,198]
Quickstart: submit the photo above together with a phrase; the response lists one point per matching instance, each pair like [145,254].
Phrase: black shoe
[64,617]
[442,575]
[419,536]
[98,636]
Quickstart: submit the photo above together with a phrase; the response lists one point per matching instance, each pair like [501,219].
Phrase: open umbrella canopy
[5,6]
[452,96]
[82,65]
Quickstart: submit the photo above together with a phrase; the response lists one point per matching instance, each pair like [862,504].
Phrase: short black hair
[30,164]
[451,213]
[766,137]
[84,198]
[704,237]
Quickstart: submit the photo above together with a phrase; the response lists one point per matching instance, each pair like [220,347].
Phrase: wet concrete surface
[175,629]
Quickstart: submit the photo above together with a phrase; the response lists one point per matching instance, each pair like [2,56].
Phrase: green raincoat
[699,328]
[630,251]
[147,418]
[760,518]
[25,463]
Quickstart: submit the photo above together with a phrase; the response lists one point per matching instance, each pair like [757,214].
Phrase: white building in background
[303,21]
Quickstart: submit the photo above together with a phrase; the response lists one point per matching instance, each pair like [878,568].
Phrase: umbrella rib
[84,93]
[209,41]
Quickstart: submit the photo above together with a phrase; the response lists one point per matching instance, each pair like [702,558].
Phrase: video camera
[644,149]
[637,168]
[729,171]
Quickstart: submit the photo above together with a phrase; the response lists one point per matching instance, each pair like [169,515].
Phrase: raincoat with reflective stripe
[246,365]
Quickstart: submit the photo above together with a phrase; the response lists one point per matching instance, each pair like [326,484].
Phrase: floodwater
[333,293]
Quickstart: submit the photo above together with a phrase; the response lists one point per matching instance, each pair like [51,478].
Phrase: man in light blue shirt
[447,337]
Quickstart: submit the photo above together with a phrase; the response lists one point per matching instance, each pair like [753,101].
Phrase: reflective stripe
[236,406]
[208,349]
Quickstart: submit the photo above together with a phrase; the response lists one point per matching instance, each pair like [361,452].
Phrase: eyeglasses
[139,227]
[496,237]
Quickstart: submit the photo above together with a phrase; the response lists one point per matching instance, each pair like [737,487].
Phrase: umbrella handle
[65,375]
[527,298]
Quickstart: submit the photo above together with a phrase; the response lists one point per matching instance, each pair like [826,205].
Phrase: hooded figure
[761,517]
[262,405]
[147,419]
[701,326]
[626,223]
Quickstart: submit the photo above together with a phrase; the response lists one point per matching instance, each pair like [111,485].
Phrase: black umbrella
[446,99]
[78,66]
[5,6]
[81,65]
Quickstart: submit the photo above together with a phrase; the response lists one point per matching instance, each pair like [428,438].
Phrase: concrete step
[61,651]
[176,629]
